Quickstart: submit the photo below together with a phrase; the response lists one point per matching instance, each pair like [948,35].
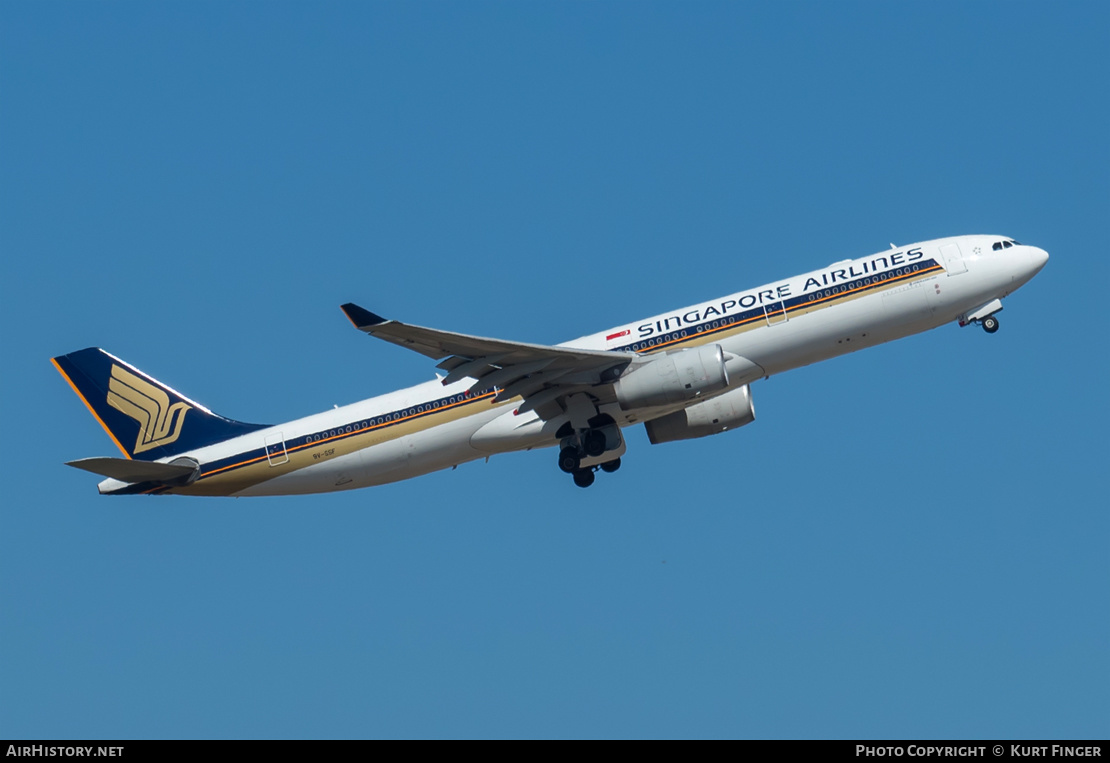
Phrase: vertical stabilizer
[146,419]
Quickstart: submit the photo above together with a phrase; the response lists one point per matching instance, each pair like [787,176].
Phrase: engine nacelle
[728,411]
[674,378]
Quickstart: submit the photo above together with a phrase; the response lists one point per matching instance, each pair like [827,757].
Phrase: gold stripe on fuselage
[251,471]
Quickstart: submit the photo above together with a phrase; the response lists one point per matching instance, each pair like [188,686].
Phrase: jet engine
[674,378]
[728,411]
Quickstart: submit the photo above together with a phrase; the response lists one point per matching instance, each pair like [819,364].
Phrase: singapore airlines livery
[682,374]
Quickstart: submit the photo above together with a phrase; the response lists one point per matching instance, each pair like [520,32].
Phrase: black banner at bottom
[869,750]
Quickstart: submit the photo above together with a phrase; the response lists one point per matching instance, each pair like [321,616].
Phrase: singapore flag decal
[618,335]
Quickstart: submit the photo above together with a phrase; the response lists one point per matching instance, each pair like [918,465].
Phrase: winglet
[360,316]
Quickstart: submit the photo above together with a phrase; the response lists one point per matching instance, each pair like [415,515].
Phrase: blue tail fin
[146,419]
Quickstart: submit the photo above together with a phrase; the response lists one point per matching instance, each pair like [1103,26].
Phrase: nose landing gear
[984,315]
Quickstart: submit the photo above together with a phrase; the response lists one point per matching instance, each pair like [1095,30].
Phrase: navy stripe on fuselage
[782,308]
[324,436]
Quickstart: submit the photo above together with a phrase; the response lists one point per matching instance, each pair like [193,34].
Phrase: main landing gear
[569,459]
[584,477]
[990,324]
[570,462]
[591,444]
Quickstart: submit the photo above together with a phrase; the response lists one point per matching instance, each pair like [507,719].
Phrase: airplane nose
[1037,258]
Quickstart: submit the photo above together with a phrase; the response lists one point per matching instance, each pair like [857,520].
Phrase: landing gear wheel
[594,443]
[584,477]
[569,460]
[611,466]
[990,324]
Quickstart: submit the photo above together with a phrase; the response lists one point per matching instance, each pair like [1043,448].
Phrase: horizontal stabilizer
[127,470]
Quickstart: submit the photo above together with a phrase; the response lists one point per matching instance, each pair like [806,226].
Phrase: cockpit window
[997,246]
[1005,244]
[1015,243]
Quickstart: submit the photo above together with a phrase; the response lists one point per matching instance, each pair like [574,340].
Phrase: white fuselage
[780,326]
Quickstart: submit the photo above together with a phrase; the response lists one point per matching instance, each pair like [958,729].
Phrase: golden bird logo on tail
[159,422]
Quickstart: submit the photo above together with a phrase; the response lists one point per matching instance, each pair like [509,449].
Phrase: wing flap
[509,373]
[542,374]
[472,368]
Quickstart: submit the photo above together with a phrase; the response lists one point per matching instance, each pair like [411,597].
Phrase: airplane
[682,374]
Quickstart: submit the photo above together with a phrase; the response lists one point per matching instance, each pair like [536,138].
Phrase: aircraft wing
[541,374]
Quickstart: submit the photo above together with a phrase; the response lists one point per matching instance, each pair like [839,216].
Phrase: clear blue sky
[908,542]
